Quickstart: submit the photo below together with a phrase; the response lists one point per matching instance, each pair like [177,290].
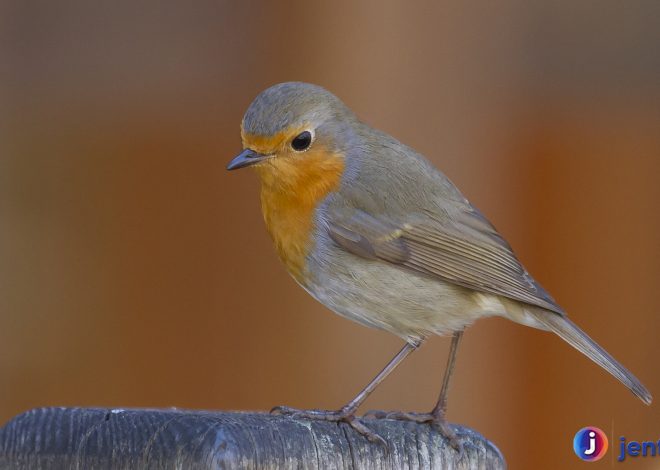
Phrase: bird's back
[385,176]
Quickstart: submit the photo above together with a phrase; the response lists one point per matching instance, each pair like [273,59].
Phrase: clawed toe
[446,430]
[343,416]
[400,416]
[366,432]
[322,415]
[434,419]
[284,410]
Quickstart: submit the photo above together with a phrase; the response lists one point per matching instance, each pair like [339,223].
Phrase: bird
[374,232]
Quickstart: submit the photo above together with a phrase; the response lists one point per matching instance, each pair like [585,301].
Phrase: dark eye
[302,141]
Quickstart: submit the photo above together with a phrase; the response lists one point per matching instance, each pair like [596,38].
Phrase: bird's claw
[321,415]
[400,416]
[446,430]
[335,416]
[436,420]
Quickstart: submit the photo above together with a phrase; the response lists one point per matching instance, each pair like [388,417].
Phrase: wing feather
[463,248]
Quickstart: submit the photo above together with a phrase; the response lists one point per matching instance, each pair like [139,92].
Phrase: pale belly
[389,297]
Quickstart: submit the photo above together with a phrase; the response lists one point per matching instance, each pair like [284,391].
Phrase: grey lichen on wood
[83,438]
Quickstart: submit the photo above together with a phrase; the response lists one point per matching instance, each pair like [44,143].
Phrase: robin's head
[295,135]
[294,131]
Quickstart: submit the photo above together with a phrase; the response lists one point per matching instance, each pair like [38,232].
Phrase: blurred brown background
[135,271]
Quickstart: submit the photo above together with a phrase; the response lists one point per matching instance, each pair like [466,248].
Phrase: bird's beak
[246,158]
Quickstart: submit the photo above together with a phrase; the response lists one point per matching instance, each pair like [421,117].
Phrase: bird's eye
[302,141]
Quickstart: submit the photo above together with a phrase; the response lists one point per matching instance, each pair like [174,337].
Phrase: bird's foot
[437,420]
[337,416]
[400,416]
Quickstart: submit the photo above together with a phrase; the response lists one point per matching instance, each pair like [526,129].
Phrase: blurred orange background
[136,272]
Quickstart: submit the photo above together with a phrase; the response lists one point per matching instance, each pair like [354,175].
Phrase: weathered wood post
[83,438]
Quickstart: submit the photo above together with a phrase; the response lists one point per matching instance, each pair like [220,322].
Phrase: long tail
[577,338]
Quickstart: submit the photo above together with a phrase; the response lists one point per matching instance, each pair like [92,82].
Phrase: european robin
[375,233]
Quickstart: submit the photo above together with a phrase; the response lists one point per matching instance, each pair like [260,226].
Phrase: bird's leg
[441,407]
[437,416]
[347,413]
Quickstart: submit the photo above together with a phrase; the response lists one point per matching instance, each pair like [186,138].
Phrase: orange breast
[291,190]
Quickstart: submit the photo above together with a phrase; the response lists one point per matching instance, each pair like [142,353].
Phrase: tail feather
[577,338]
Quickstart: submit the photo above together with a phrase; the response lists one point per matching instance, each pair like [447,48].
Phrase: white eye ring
[303,141]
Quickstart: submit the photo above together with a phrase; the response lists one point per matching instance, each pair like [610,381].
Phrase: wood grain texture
[83,438]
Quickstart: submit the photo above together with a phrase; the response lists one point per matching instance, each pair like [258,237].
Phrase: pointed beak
[246,158]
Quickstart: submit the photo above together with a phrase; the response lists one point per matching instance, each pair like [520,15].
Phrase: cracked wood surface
[96,438]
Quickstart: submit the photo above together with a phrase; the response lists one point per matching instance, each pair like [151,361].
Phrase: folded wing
[461,247]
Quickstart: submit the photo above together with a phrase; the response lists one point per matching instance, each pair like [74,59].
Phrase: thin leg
[437,416]
[347,413]
[441,407]
[355,403]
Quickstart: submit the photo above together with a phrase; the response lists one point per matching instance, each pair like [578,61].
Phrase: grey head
[296,114]
[289,104]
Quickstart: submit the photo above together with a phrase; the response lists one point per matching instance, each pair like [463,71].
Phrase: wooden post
[83,438]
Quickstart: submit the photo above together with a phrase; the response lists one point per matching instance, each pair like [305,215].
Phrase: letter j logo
[590,444]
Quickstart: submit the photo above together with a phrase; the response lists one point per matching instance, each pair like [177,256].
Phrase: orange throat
[291,190]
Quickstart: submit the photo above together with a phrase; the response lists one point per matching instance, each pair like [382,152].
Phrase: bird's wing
[461,247]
